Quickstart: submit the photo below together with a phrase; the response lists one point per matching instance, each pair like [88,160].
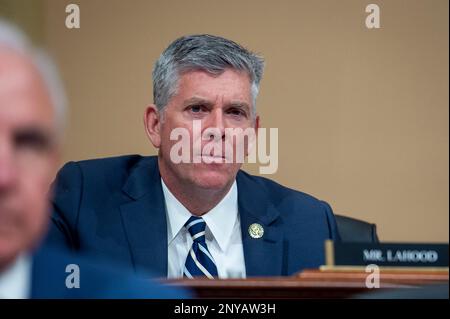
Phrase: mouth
[212,159]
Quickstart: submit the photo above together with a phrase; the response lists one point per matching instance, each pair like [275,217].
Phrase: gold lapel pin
[256,230]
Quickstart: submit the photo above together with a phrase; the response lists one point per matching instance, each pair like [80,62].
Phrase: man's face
[28,157]
[217,102]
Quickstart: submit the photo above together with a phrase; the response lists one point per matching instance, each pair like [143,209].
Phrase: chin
[213,179]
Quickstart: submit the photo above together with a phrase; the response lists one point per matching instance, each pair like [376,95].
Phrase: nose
[215,125]
[8,170]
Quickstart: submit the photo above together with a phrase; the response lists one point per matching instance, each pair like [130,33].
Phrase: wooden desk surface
[309,284]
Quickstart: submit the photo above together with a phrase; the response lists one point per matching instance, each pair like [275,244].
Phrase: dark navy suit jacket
[115,208]
[96,279]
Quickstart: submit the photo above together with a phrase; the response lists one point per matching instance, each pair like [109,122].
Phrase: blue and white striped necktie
[199,262]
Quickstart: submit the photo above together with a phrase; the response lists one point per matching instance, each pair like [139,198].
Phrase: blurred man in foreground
[31,122]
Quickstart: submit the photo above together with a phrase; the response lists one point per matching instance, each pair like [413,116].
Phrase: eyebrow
[198,100]
[41,135]
[237,104]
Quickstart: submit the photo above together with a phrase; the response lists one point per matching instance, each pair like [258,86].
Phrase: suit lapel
[144,218]
[263,256]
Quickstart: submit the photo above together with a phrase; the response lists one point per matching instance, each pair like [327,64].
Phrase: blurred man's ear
[152,122]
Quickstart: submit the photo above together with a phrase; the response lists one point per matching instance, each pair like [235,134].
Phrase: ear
[257,125]
[152,123]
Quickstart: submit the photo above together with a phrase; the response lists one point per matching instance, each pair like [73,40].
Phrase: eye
[237,112]
[32,139]
[196,108]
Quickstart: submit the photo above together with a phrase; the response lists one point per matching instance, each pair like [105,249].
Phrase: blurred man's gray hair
[204,52]
[12,38]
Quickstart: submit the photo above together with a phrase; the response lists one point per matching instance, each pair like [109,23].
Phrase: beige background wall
[362,114]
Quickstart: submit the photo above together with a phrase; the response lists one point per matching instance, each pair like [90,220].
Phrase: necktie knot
[196,227]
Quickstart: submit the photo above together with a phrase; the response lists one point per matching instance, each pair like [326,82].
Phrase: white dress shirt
[222,234]
[15,281]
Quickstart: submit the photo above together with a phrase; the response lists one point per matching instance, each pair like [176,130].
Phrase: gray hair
[204,52]
[14,39]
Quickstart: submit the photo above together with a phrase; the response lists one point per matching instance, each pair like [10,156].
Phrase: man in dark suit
[30,123]
[199,215]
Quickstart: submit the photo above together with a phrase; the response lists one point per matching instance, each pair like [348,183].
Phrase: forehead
[230,84]
[23,97]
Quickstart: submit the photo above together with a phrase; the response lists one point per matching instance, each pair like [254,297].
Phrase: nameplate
[387,254]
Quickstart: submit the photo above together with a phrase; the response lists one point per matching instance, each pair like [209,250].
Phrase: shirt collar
[15,281]
[220,220]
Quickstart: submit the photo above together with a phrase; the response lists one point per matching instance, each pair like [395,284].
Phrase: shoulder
[108,165]
[100,171]
[279,194]
[61,274]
